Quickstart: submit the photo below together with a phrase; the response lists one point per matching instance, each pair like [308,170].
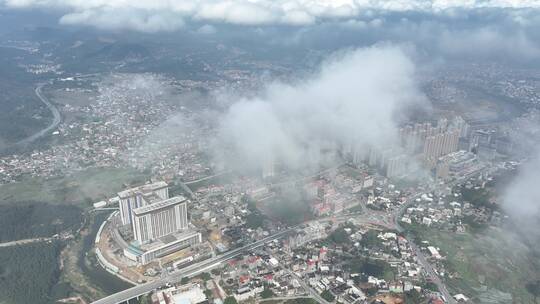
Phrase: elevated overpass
[174,277]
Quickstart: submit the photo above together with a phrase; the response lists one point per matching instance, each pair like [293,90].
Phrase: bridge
[104,209]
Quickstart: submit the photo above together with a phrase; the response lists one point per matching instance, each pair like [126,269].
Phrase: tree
[184,280]
[369,266]
[534,289]
[230,300]
[431,286]
[267,293]
[327,295]
[145,300]
[205,276]
[339,236]
[413,297]
[29,273]
[254,220]
[370,239]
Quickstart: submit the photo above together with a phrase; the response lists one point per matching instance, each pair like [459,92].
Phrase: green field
[484,264]
[31,220]
[81,188]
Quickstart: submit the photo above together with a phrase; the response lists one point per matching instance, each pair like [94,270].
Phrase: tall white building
[396,166]
[160,218]
[432,141]
[268,167]
[134,198]
[159,224]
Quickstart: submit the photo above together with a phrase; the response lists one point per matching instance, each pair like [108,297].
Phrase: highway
[191,270]
[57,118]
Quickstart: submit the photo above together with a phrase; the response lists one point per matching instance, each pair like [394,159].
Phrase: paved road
[431,273]
[206,178]
[194,269]
[25,241]
[312,292]
[57,118]
[283,298]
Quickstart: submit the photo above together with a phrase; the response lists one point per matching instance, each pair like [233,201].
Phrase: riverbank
[82,270]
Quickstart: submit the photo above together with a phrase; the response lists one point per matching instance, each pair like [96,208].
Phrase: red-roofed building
[322,253]
[243,279]
[320,209]
[311,265]
[436,300]
[253,259]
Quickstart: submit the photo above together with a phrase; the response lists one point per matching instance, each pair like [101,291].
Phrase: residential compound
[431,141]
[159,224]
[159,219]
[425,142]
[140,196]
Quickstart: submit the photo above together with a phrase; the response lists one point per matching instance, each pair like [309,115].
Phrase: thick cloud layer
[353,100]
[522,198]
[166,15]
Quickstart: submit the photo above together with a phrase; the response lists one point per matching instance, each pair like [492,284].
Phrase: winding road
[57,118]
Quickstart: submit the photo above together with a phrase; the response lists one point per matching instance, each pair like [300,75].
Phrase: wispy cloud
[167,15]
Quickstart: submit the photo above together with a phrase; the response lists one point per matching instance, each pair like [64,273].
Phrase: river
[96,274]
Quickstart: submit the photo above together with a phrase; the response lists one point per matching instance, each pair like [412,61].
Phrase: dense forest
[31,219]
[29,273]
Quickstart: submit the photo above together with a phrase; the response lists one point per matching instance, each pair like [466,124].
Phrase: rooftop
[146,188]
[165,240]
[159,205]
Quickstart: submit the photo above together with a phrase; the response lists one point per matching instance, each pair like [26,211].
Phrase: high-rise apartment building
[396,166]
[159,224]
[160,218]
[134,198]
[268,167]
[431,141]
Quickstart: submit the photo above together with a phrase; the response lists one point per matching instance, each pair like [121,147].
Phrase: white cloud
[163,15]
[522,198]
[353,100]
[207,29]
[111,19]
